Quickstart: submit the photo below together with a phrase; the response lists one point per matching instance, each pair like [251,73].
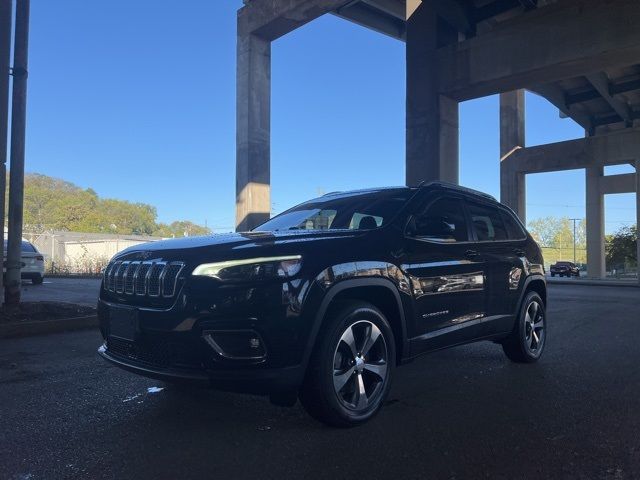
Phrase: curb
[594,283]
[28,329]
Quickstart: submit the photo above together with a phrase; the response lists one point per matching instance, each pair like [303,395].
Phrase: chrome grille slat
[122,271]
[143,278]
[154,278]
[170,278]
[129,276]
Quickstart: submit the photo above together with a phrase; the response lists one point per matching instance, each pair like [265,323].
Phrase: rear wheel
[526,342]
[351,367]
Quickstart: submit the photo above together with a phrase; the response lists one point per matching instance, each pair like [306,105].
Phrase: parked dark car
[323,301]
[568,269]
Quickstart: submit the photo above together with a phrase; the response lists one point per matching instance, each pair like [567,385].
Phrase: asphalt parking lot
[457,414]
[83,291]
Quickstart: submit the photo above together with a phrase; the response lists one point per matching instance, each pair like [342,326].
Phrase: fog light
[236,344]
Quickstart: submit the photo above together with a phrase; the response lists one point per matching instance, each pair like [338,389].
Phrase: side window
[487,222]
[514,229]
[443,221]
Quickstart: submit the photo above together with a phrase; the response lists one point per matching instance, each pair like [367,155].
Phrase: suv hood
[234,244]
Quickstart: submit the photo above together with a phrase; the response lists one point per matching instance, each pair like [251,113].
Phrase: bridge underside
[583,56]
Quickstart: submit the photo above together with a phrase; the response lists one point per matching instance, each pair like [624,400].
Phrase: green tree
[555,236]
[181,229]
[54,204]
[621,247]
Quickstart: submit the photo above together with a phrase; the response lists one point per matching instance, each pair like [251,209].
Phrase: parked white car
[32,262]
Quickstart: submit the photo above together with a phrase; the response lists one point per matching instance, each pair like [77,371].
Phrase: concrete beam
[272,19]
[561,40]
[432,119]
[601,83]
[365,16]
[253,132]
[512,136]
[613,148]
[395,8]
[624,183]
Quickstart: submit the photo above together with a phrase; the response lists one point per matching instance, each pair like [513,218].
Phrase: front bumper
[174,344]
[256,381]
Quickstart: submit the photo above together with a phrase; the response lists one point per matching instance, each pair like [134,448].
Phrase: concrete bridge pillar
[595,223]
[432,119]
[253,131]
[513,191]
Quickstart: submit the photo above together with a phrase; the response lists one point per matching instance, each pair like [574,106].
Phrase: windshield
[348,211]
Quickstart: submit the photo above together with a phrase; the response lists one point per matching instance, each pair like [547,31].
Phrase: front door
[447,273]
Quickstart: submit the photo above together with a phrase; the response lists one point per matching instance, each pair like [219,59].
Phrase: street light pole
[574,220]
[16,174]
[5,59]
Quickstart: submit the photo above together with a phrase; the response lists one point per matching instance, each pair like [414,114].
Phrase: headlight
[250,269]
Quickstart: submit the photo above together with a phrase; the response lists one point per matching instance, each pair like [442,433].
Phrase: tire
[525,344]
[37,280]
[339,370]
[553,274]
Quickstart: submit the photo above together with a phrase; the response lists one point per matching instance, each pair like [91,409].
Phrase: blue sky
[136,99]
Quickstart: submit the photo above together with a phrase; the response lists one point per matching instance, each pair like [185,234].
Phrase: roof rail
[453,186]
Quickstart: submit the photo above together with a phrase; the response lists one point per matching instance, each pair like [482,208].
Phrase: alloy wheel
[360,366]
[534,328]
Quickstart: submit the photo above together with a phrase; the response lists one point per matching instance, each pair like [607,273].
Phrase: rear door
[503,255]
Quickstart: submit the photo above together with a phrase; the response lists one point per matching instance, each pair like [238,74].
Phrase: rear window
[26,247]
[487,223]
[513,227]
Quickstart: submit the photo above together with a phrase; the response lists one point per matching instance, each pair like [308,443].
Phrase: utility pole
[16,174]
[574,220]
[5,60]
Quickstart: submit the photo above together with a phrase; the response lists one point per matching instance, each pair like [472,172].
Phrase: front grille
[153,279]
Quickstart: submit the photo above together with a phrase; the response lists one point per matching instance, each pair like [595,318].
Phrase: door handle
[519,252]
[471,254]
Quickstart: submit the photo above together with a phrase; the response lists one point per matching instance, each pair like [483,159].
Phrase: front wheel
[351,367]
[526,342]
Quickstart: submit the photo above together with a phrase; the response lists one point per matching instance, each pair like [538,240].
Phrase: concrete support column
[513,191]
[595,223]
[253,134]
[638,214]
[432,119]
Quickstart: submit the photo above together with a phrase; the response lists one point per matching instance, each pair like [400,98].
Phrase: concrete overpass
[581,55]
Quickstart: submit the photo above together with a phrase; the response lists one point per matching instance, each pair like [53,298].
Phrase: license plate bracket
[123,323]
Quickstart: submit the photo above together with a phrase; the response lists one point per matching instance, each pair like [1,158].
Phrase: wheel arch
[381,293]
[535,283]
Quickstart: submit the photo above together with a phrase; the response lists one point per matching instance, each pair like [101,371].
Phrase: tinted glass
[347,211]
[514,229]
[487,223]
[26,247]
[443,220]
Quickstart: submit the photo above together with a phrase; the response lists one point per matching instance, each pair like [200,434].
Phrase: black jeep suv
[323,301]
